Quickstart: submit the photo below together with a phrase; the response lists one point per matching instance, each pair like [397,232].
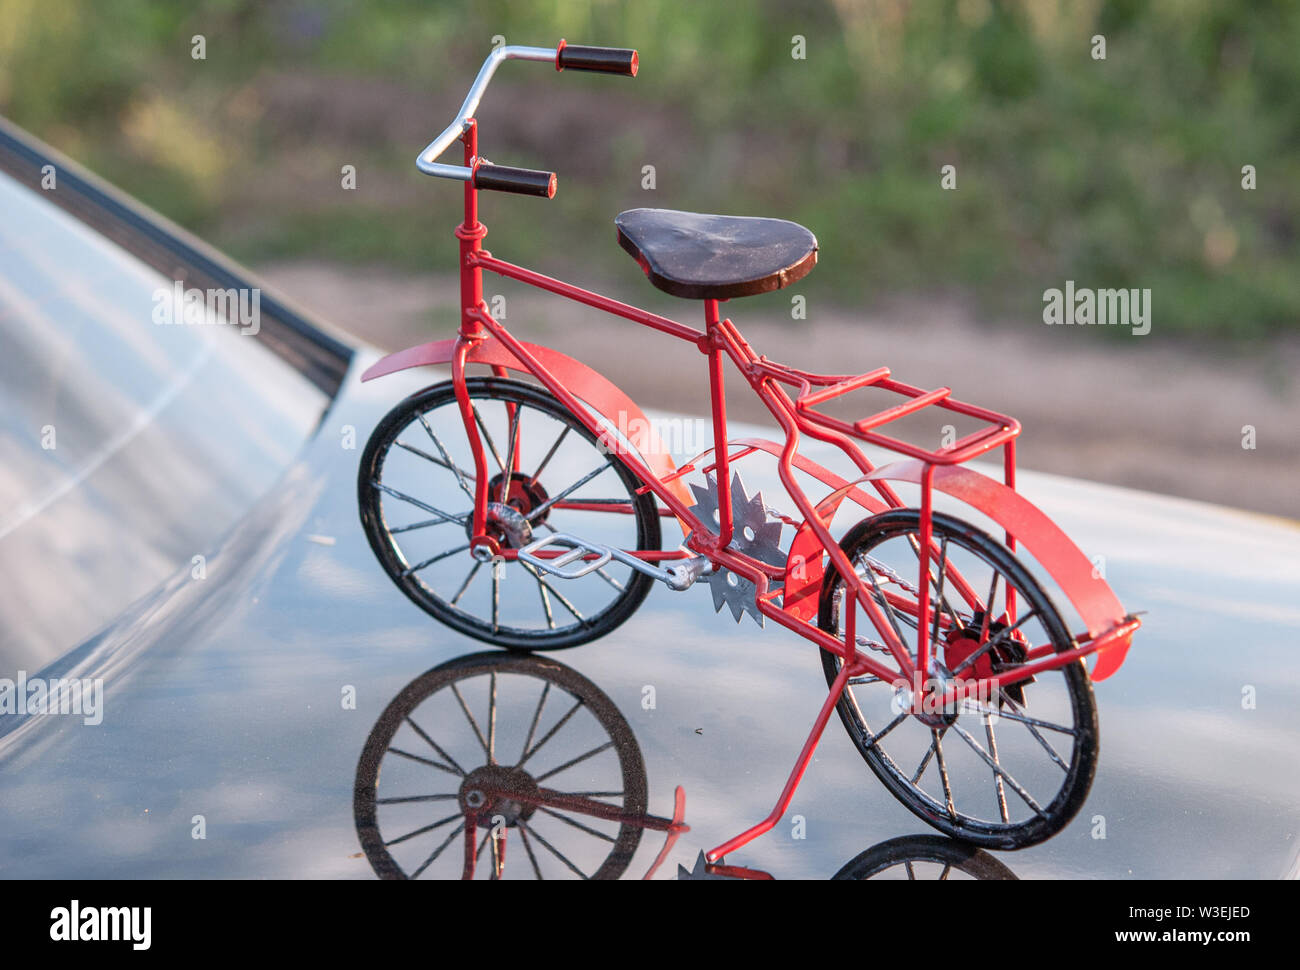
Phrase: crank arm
[573,564]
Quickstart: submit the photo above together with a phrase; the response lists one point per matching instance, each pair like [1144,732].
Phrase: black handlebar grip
[524,181]
[607,60]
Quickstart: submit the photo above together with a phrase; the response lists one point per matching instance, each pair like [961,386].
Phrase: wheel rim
[416,489]
[1009,770]
[921,857]
[521,757]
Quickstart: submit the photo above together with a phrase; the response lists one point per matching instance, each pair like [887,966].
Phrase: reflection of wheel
[491,749]
[1016,766]
[416,493]
[923,857]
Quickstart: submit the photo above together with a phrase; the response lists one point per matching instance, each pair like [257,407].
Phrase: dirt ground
[1148,412]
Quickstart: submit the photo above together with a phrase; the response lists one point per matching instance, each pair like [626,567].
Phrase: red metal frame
[483,340]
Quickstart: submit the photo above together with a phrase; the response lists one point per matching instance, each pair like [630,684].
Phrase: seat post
[718,398]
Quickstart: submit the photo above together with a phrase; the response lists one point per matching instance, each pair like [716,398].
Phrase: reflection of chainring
[755,535]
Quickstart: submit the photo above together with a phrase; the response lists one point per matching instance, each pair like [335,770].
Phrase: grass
[1118,172]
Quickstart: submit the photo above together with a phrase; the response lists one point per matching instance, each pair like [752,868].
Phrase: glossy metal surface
[226,699]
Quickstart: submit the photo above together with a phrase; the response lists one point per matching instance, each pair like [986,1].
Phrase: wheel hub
[510,503]
[1009,652]
[497,791]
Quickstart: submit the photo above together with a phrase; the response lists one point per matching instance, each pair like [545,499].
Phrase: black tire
[454,673]
[393,559]
[1045,821]
[908,850]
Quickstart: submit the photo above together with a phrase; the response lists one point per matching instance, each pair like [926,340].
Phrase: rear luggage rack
[817,389]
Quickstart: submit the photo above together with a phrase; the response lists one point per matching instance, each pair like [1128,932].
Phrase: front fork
[470,232]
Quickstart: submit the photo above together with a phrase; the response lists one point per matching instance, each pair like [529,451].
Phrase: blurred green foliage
[1125,171]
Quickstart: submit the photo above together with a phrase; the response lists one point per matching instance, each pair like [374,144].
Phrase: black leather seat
[704,257]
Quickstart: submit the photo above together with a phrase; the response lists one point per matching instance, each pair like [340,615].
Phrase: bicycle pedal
[678,575]
[579,549]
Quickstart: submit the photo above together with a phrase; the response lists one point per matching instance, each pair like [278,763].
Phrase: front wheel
[1003,771]
[416,493]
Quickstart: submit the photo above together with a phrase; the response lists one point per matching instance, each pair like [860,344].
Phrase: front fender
[589,385]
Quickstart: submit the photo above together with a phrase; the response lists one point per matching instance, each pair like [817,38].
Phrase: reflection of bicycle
[911,857]
[924,857]
[492,750]
[528,515]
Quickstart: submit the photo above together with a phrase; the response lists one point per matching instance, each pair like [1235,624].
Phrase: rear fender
[1087,592]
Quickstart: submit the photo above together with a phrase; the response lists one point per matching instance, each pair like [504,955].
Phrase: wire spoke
[939,597]
[438,851]
[551,733]
[432,559]
[465,585]
[461,476]
[470,717]
[988,606]
[1015,785]
[420,831]
[537,716]
[943,774]
[434,744]
[427,761]
[573,761]
[997,781]
[553,850]
[402,800]
[1029,723]
[564,601]
[555,447]
[523,837]
[568,491]
[992,642]
[577,825]
[488,438]
[936,736]
[422,524]
[402,496]
[492,719]
[496,596]
[884,603]
[1024,718]
[512,447]
[875,738]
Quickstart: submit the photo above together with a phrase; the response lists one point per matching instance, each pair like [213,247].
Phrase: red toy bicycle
[952,670]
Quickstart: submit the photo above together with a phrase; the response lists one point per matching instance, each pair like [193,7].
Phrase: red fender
[1096,604]
[1094,600]
[591,386]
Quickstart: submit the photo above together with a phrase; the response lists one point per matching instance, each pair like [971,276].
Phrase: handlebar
[524,181]
[607,60]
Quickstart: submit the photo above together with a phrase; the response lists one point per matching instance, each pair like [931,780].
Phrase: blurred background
[839,114]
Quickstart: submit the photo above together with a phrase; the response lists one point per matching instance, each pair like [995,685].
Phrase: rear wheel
[1008,770]
[416,493]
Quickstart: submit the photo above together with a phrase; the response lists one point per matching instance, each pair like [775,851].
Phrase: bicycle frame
[484,340]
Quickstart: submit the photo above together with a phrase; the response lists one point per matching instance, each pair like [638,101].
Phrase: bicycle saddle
[705,257]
